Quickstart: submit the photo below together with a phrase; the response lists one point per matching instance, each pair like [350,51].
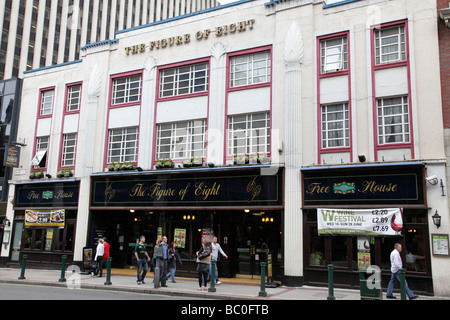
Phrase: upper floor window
[73,98]
[69,150]
[184,80]
[46,106]
[249,133]
[126,89]
[181,140]
[123,144]
[393,120]
[334,54]
[250,69]
[335,125]
[390,44]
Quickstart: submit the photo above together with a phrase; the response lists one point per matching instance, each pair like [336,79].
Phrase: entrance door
[257,234]
[18,227]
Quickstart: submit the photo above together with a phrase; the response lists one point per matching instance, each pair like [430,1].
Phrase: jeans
[171,273]
[162,271]
[142,265]
[99,266]
[396,277]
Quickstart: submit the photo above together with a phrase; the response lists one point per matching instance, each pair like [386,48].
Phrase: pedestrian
[203,262]
[99,257]
[106,255]
[142,259]
[216,248]
[396,264]
[174,257]
[163,261]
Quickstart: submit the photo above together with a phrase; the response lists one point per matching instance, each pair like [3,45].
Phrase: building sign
[200,189]
[12,156]
[178,40]
[47,195]
[379,185]
[368,222]
[53,218]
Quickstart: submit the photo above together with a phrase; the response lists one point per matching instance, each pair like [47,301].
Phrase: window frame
[41,97]
[346,130]
[64,153]
[189,143]
[377,45]
[344,53]
[178,66]
[403,105]
[123,154]
[127,102]
[248,134]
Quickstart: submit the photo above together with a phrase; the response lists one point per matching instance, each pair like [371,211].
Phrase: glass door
[18,227]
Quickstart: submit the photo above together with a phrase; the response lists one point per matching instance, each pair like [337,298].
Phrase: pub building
[239,205]
[335,193]
[45,214]
[279,104]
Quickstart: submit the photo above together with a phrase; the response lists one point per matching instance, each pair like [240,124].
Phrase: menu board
[440,244]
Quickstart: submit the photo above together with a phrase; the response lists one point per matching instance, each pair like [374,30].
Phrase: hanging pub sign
[51,218]
[12,156]
[367,222]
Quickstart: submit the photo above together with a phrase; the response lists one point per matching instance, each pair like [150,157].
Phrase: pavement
[229,289]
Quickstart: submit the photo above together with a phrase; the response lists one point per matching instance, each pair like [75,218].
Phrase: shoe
[143,282]
[206,289]
[164,285]
[413,297]
[174,282]
[199,289]
[218,282]
[138,282]
[391,297]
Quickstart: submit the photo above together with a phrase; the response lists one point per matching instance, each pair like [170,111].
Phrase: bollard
[156,275]
[108,272]
[330,282]
[212,277]
[24,263]
[402,284]
[63,269]
[263,292]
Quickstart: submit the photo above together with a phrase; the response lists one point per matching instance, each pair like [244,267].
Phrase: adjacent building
[280,127]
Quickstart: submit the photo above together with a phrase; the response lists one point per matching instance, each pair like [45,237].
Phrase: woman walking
[174,257]
[203,261]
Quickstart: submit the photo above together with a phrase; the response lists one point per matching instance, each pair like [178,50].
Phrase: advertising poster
[368,222]
[207,235]
[180,238]
[52,218]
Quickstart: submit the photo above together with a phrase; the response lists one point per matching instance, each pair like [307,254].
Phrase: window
[248,134]
[333,55]
[46,106]
[390,45]
[393,120]
[123,144]
[335,126]
[184,80]
[73,98]
[181,140]
[126,90]
[250,69]
[69,149]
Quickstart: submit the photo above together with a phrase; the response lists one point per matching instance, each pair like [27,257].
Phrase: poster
[51,218]
[440,244]
[180,238]
[368,222]
[207,235]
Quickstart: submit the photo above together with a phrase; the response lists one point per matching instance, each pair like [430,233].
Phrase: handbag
[158,252]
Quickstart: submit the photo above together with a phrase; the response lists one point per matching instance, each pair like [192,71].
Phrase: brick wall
[444,51]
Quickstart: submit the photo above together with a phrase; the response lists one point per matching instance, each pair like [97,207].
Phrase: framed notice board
[440,244]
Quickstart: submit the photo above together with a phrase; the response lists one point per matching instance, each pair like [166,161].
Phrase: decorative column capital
[293,48]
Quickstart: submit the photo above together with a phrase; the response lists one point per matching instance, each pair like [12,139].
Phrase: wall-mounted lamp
[6,222]
[362,158]
[436,219]
[246,210]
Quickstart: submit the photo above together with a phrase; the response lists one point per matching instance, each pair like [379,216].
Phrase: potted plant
[32,175]
[187,163]
[110,166]
[60,174]
[197,162]
[159,164]
[68,172]
[39,174]
[168,163]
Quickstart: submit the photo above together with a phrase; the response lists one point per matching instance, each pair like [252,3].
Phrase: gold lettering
[201,189]
[372,187]
[33,195]
[179,40]
[137,191]
[142,47]
[317,187]
[219,31]
[187,38]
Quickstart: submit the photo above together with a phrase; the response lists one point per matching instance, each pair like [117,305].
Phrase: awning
[39,158]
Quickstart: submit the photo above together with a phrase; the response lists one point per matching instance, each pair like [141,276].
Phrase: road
[35,292]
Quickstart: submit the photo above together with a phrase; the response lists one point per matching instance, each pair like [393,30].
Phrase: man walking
[140,253]
[163,262]
[396,264]
[216,248]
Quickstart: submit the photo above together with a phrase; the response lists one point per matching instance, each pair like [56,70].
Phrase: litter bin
[370,283]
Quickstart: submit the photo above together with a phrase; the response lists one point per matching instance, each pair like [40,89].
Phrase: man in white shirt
[396,265]
[216,248]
